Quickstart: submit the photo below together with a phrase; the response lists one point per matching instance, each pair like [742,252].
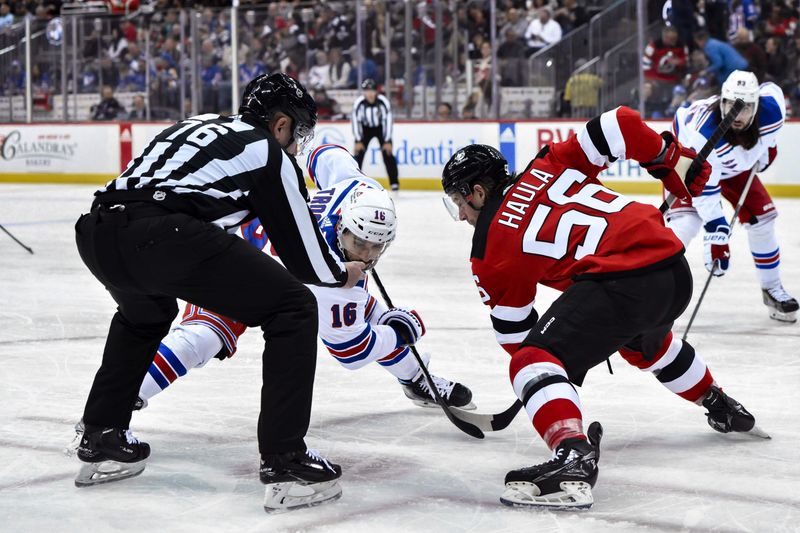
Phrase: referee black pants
[388,157]
[146,258]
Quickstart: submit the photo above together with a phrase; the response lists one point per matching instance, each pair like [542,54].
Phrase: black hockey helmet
[267,94]
[471,163]
[369,85]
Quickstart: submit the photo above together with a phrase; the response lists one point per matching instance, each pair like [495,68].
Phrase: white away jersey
[693,125]
[347,317]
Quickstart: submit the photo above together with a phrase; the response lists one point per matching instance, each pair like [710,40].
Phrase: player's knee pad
[764,227]
[193,344]
[685,223]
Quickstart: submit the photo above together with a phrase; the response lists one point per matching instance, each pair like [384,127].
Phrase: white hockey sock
[401,365]
[766,252]
[186,347]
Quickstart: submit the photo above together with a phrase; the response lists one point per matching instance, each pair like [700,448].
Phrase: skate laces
[444,386]
[315,455]
[130,438]
[778,293]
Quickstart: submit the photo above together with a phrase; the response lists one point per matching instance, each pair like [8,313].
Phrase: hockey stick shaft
[739,205]
[705,151]
[15,239]
[467,427]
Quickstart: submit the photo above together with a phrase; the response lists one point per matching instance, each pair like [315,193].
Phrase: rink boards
[95,153]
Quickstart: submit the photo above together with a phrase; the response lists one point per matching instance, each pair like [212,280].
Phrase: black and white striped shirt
[228,170]
[375,115]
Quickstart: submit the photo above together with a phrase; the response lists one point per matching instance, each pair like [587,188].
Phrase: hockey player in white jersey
[750,143]
[358,219]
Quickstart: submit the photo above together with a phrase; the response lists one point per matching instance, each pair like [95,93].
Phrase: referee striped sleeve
[387,118]
[358,131]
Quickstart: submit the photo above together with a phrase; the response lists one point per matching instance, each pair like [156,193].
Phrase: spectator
[211,76]
[483,72]
[130,81]
[722,57]
[542,31]
[777,63]
[251,68]
[582,92]
[109,72]
[139,111]
[339,69]
[369,70]
[118,46]
[6,17]
[716,17]
[511,59]
[319,74]
[743,15]
[327,107]
[468,113]
[108,108]
[444,111]
[754,54]
[664,63]
[683,17]
[515,22]
[134,57]
[781,23]
[679,95]
[570,15]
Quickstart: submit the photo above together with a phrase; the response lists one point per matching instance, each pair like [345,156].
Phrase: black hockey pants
[147,257]
[594,318]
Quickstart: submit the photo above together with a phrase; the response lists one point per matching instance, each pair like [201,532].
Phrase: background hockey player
[750,143]
[160,232]
[623,276]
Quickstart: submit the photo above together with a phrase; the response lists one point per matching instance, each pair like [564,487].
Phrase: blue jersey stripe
[768,254]
[350,343]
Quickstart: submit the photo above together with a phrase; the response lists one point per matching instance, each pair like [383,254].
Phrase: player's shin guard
[541,383]
[676,366]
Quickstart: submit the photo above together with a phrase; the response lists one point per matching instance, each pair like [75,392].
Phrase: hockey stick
[705,151]
[467,427]
[739,205]
[15,239]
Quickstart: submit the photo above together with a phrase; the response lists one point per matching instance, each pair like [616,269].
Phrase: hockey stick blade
[467,427]
[705,151]
[489,422]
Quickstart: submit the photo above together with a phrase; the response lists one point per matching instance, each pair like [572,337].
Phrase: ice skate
[111,454]
[782,307]
[72,447]
[454,394]
[726,415]
[298,479]
[563,483]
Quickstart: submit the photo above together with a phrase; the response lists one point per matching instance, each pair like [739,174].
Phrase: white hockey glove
[715,246]
[405,322]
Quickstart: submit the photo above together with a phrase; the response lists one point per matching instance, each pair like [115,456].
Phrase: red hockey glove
[717,254]
[671,167]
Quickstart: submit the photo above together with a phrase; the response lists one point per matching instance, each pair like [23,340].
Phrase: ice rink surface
[405,468]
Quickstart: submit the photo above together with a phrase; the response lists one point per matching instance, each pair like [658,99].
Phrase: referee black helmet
[267,94]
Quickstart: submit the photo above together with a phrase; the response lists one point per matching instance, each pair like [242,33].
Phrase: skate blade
[758,432]
[106,472]
[430,403]
[282,497]
[789,318]
[574,496]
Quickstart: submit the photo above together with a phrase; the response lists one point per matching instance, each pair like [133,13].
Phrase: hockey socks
[541,383]
[676,366]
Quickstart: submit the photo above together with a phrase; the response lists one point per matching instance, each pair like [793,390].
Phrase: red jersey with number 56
[558,224]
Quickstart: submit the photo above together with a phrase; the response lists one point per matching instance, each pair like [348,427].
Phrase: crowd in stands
[315,42]
[701,46]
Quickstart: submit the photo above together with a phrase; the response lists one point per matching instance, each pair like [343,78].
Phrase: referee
[163,230]
[372,118]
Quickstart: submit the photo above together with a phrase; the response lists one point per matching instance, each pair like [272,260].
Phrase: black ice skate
[111,454]
[565,482]
[298,479]
[454,394]
[726,415]
[781,305]
[72,447]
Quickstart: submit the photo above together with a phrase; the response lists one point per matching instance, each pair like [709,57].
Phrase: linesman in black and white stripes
[372,118]
[164,230]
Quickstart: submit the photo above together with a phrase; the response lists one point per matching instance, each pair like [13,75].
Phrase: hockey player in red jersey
[623,276]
